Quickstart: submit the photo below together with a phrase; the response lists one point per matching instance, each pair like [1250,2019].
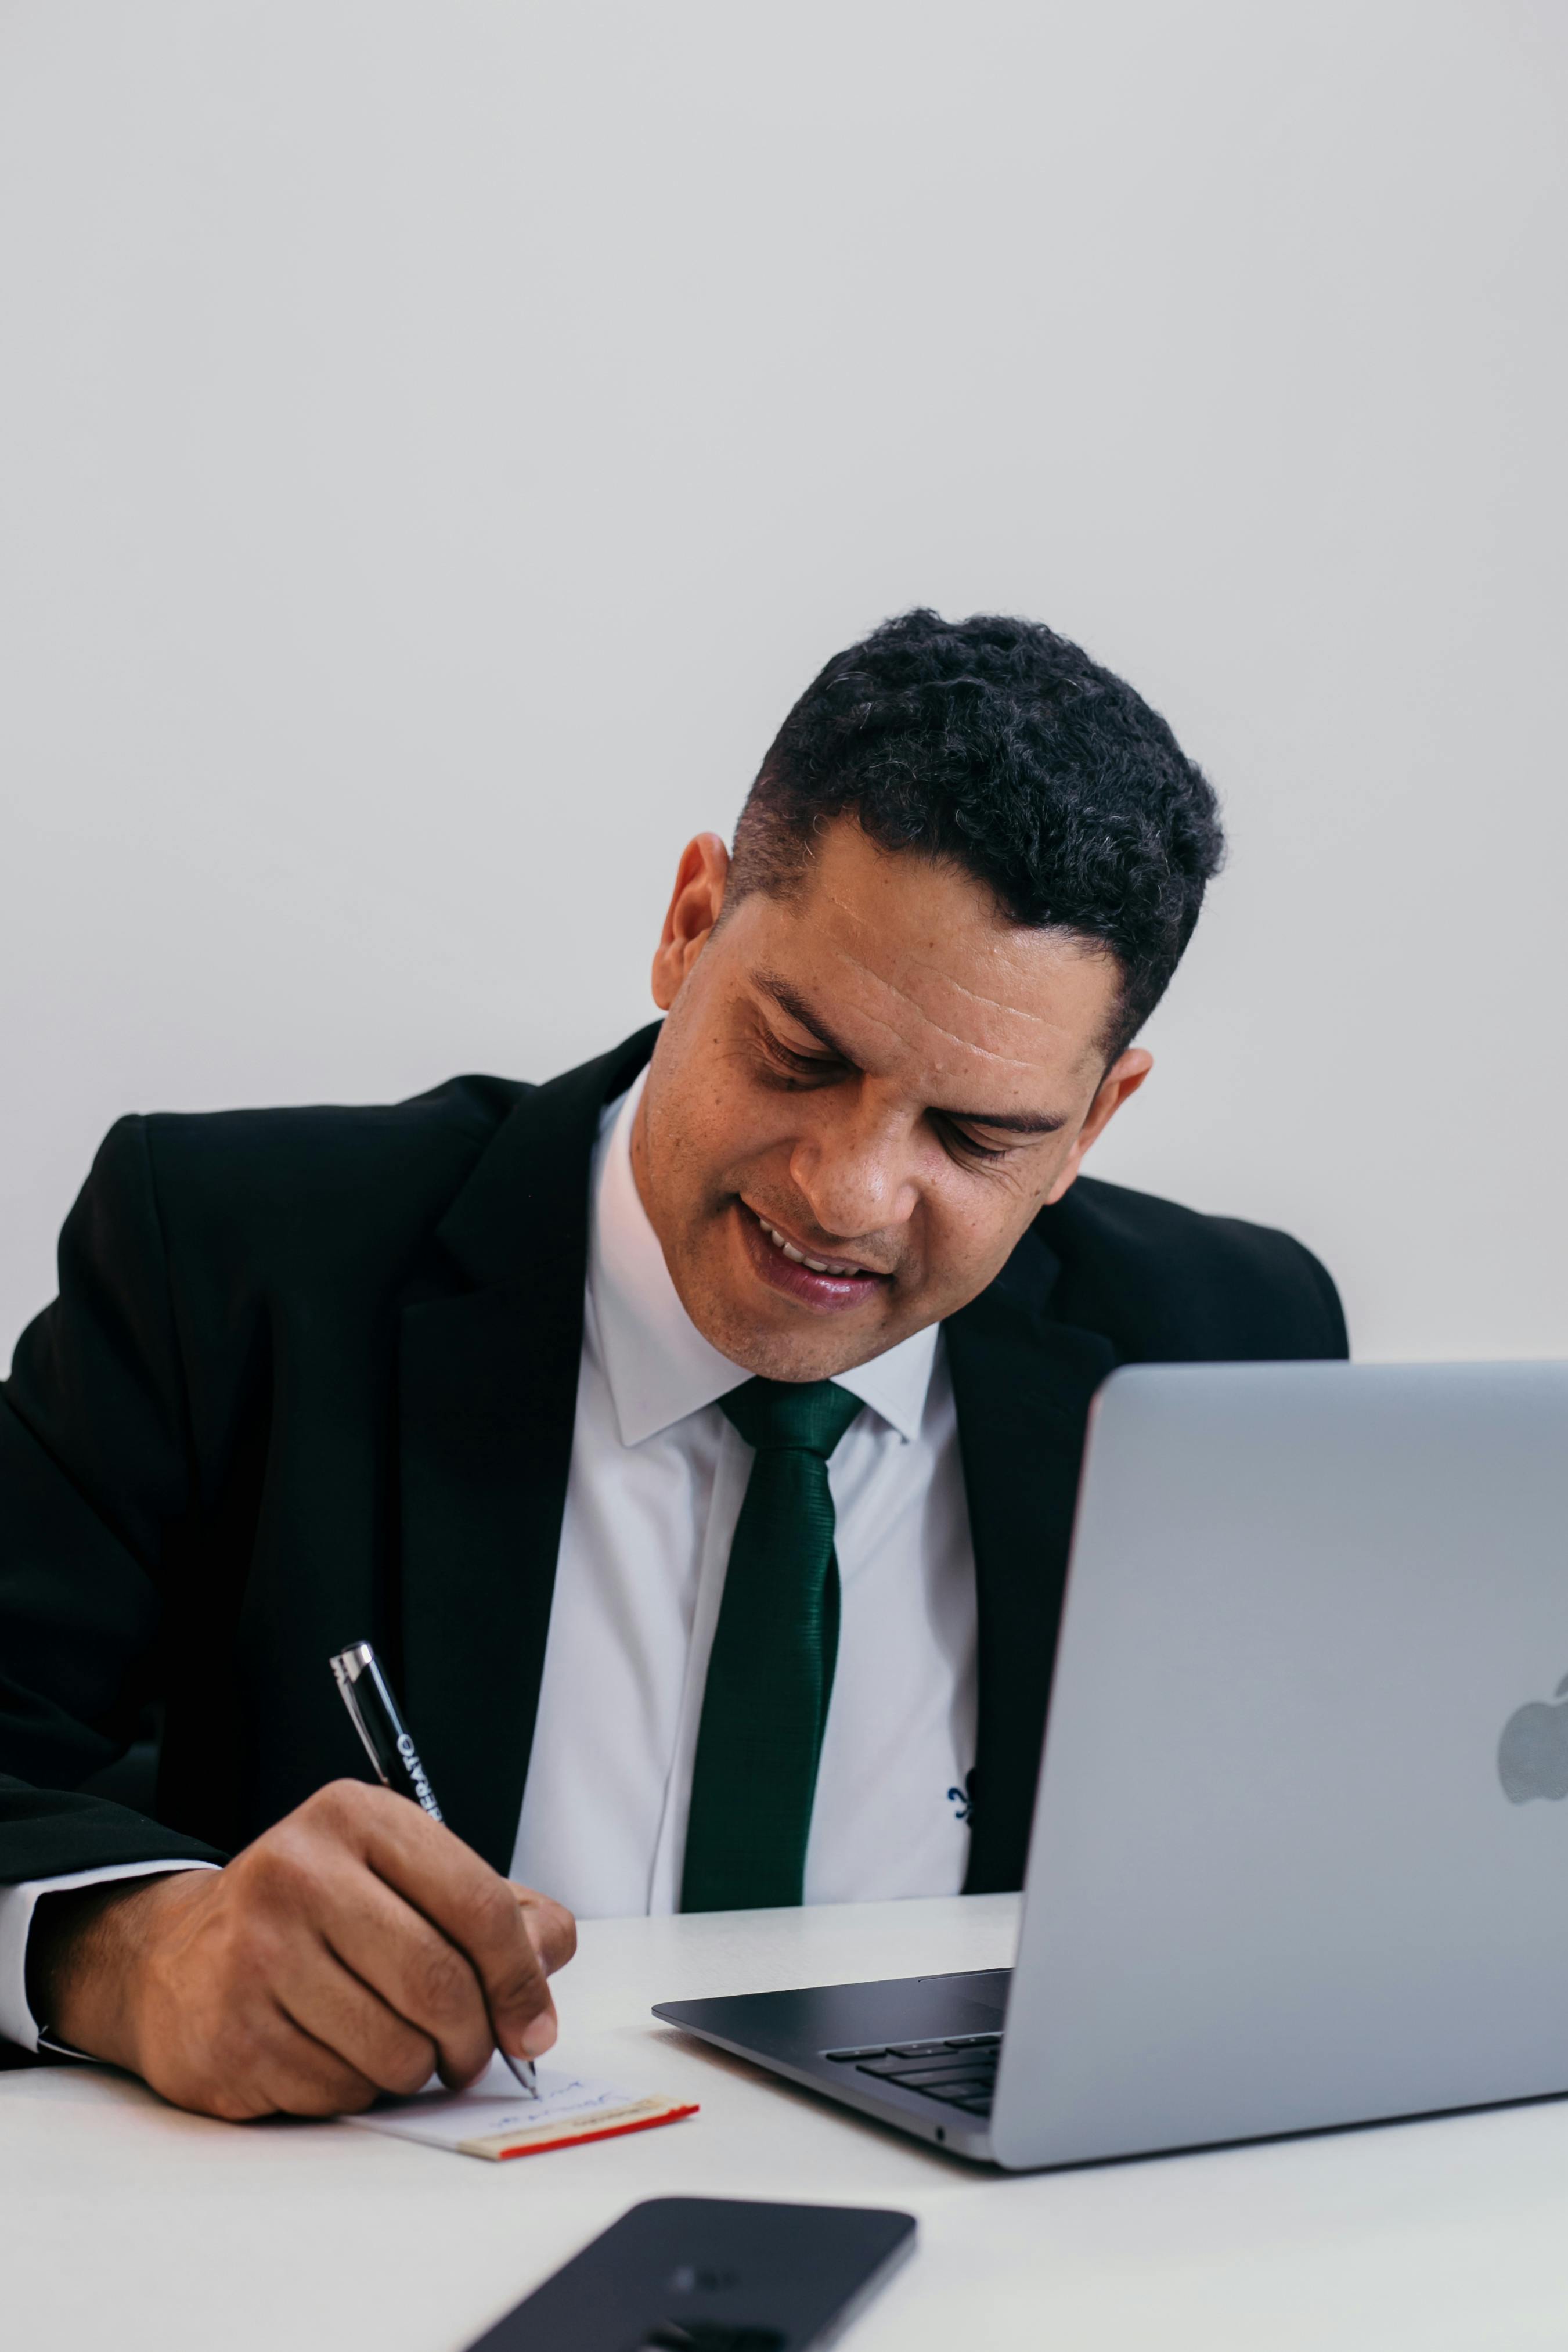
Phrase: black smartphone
[711,2274]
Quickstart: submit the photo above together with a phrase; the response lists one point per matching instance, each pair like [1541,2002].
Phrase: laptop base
[940,2032]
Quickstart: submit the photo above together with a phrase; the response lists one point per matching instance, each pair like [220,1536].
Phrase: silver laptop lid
[1300,1854]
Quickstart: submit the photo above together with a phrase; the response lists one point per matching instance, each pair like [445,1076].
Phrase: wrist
[81,1964]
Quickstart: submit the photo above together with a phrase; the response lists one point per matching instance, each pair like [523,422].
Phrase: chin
[809,1351]
[780,1356]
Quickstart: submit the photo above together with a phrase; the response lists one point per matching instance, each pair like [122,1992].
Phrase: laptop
[1299,1851]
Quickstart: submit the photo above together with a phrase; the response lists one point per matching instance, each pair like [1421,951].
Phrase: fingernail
[539,2035]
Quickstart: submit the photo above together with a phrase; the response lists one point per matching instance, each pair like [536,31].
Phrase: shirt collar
[658,1364]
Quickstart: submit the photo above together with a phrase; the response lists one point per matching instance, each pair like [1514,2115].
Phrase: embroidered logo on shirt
[964,1798]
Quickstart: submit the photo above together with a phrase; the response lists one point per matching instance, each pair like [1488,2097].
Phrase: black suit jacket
[311,1379]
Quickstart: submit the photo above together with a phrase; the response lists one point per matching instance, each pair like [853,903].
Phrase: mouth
[831,1283]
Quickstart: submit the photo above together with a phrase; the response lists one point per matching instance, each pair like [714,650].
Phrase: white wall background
[437,441]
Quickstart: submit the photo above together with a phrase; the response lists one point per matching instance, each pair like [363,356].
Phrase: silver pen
[367,1695]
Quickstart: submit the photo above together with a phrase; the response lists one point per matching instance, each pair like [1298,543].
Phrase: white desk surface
[126,2224]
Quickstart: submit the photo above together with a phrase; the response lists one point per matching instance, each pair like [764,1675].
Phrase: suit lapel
[1022,1385]
[488,1396]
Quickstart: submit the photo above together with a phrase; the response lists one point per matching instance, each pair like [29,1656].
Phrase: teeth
[799,1257]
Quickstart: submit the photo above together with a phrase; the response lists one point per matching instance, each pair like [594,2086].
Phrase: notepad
[489,2118]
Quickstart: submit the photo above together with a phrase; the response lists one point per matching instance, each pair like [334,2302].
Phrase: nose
[852,1164]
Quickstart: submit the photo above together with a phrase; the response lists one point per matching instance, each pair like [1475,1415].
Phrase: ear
[1124,1076]
[700,880]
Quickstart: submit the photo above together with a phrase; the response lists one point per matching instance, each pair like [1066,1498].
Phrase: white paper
[493,2111]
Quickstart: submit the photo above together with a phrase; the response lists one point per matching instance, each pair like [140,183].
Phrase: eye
[958,1141]
[796,1065]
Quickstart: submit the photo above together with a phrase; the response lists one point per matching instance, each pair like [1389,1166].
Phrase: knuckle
[409,2067]
[355,2096]
[272,1870]
[316,2099]
[232,2105]
[457,2071]
[201,2090]
[493,1912]
[315,2084]
[338,1804]
[551,1928]
[446,1980]
[222,2076]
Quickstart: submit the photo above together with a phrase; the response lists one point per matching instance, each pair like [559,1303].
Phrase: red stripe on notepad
[610,2131]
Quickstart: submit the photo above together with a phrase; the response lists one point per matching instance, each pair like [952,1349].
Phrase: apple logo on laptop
[1533,1754]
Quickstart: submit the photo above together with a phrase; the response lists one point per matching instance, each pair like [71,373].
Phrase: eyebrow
[1008,1121]
[1023,1122]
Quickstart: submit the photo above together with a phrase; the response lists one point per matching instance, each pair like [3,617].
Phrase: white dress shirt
[655,1488]
[657,1479]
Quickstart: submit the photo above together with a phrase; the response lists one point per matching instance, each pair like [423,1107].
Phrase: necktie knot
[796,1416]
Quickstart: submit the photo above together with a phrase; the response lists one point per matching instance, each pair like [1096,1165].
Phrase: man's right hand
[356,1948]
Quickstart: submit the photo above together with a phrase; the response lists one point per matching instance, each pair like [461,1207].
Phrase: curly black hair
[1001,746]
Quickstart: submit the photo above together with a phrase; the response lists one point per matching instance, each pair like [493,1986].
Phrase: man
[697,1436]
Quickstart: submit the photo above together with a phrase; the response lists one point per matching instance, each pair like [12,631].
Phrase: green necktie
[771,1670]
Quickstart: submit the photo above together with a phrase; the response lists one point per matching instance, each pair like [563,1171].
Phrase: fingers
[473,1907]
[266,2065]
[303,2077]
[350,2019]
[552,1928]
[495,1934]
[418,1973]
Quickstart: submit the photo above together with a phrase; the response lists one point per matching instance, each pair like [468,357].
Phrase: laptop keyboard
[960,2072]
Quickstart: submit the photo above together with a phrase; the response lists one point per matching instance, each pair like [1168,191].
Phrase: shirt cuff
[17,1905]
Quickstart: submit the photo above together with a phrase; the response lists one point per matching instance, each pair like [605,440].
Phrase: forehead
[924,979]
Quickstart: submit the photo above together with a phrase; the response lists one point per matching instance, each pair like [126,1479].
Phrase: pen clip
[387,1741]
[347,1668]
